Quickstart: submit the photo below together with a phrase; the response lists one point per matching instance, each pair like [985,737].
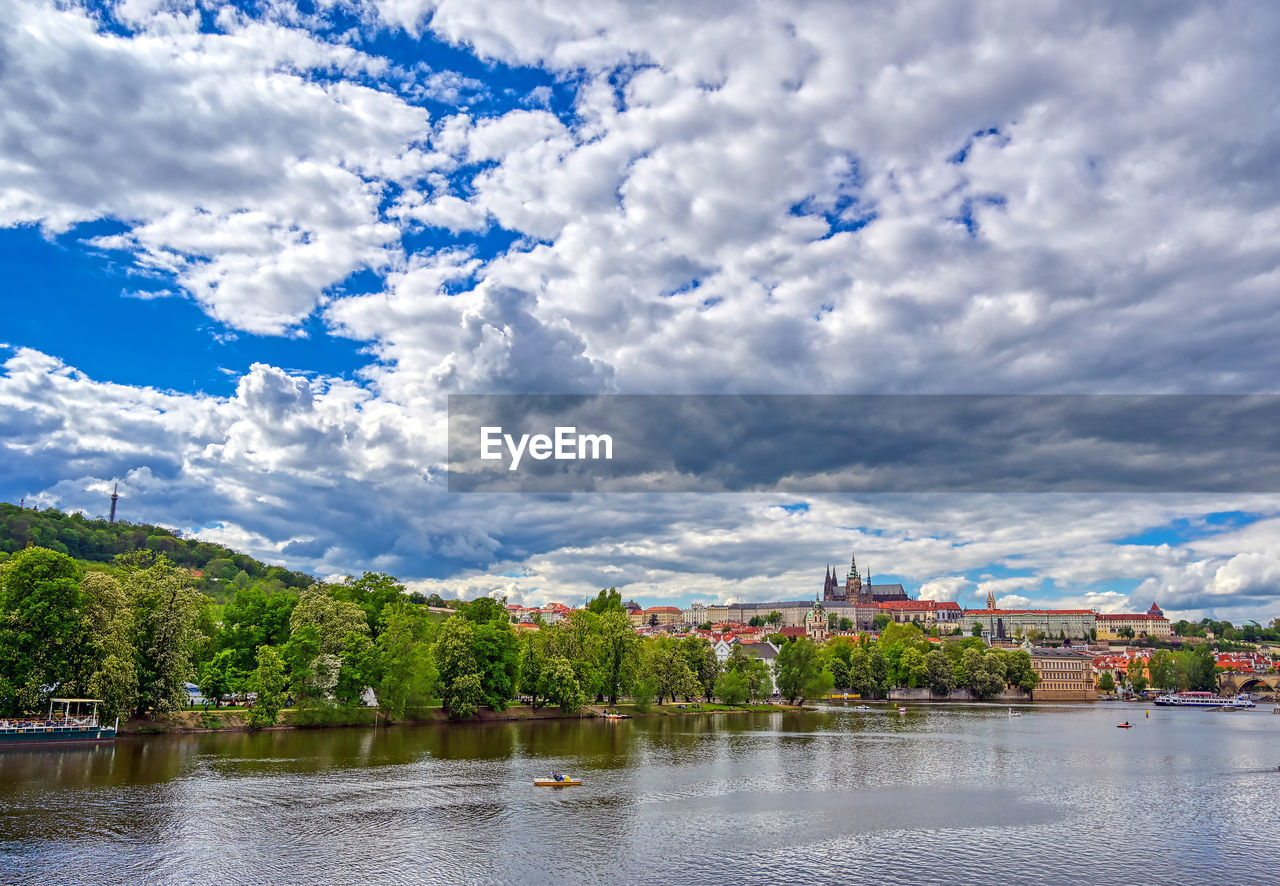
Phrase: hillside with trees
[221,571]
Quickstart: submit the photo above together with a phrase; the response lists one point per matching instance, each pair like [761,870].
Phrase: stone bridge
[1234,682]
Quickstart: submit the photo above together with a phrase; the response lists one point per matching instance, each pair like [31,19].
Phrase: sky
[249,251]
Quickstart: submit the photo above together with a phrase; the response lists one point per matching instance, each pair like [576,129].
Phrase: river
[941,794]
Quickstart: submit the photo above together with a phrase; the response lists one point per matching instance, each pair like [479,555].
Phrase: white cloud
[689,227]
[233,170]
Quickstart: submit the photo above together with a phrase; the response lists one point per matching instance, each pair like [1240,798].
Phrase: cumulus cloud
[233,169]
[924,197]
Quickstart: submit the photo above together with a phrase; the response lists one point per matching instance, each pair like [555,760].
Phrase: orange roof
[917,605]
[663,609]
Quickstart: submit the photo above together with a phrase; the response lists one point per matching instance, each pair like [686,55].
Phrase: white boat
[1203,700]
[902,710]
[1013,713]
[861,707]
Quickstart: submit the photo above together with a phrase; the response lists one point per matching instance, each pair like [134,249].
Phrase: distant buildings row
[853,606]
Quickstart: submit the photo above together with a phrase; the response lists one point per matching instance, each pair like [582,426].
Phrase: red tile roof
[917,605]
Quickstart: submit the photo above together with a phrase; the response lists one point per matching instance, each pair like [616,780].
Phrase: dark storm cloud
[915,443]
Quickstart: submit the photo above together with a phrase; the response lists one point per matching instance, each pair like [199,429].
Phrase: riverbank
[236,719]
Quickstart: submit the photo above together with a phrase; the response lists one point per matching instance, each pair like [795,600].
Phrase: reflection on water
[940,795]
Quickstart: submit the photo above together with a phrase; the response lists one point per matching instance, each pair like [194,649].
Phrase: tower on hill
[115,497]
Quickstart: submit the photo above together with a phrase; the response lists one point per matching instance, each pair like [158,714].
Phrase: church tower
[991,600]
[853,583]
[830,589]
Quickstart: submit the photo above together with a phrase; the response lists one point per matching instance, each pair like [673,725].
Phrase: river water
[955,794]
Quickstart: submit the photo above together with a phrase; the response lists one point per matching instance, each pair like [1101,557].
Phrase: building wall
[1109,626]
[1051,622]
[1063,676]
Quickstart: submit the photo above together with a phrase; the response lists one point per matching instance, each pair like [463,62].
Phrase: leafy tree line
[97,541]
[903,658]
[1193,669]
[1248,633]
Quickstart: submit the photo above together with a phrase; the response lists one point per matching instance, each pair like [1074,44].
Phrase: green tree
[701,657]
[220,677]
[533,655]
[977,629]
[408,672]
[496,651]
[461,689]
[258,615]
[669,670]
[114,670]
[333,619]
[166,609]
[1106,683]
[732,688]
[756,621]
[989,678]
[467,696]
[360,668]
[774,618]
[300,654]
[606,601]
[846,624]
[1018,670]
[371,592]
[881,621]
[796,668]
[878,667]
[1137,673]
[560,686]
[939,675]
[1163,670]
[42,640]
[619,653]
[1201,676]
[913,667]
[752,669]
[268,681]
[860,679]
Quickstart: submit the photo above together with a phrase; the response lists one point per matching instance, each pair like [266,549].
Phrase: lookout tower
[115,497]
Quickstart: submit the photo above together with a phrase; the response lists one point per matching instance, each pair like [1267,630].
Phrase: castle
[854,591]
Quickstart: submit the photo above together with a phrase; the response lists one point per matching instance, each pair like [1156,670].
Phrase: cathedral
[854,591]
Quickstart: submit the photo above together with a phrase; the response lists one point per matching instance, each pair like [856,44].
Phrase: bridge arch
[1235,682]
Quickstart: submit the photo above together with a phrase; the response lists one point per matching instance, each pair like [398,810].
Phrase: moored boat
[67,726]
[1207,700]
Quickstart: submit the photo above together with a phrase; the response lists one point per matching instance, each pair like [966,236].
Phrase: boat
[549,782]
[69,725]
[1206,700]
[1125,725]
[1013,713]
[902,710]
[861,707]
